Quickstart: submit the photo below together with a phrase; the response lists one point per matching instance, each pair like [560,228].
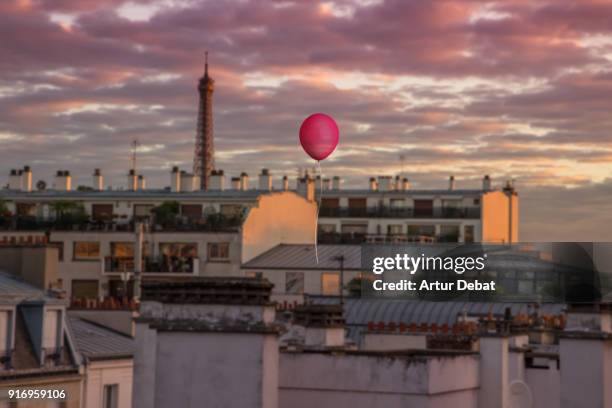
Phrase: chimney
[451,183]
[26,180]
[217,180]
[235,183]
[397,184]
[405,184]
[244,181]
[213,310]
[63,180]
[384,183]
[142,182]
[132,180]
[285,183]
[98,180]
[265,180]
[324,325]
[188,182]
[306,187]
[336,183]
[15,180]
[486,183]
[373,185]
[175,180]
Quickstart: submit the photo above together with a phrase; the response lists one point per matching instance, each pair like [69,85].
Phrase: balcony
[358,239]
[153,265]
[389,212]
[211,223]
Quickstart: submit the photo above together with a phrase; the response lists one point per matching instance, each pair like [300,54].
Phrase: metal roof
[298,256]
[359,311]
[97,342]
[13,290]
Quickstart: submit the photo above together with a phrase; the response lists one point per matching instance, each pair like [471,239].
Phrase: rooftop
[13,290]
[95,342]
[298,256]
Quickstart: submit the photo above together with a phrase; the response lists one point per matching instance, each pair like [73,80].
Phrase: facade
[391,212]
[187,232]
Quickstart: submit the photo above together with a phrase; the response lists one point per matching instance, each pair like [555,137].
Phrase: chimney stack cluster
[63,180]
[21,179]
[388,183]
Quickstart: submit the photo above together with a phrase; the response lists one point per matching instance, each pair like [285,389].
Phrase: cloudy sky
[518,89]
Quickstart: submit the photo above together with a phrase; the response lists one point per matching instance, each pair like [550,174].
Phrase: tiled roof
[99,343]
[293,256]
[359,311]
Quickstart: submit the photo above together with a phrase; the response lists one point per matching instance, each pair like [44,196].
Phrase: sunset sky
[515,89]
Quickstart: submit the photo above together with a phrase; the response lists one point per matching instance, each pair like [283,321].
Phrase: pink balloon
[319,135]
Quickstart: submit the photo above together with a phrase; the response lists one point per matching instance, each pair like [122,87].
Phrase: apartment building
[185,231]
[390,211]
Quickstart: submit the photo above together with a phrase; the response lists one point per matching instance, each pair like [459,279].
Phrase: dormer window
[52,331]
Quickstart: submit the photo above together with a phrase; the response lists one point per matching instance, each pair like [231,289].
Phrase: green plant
[4,210]
[166,212]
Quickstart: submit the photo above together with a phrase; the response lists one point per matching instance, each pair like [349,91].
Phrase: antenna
[206,62]
[135,146]
[402,158]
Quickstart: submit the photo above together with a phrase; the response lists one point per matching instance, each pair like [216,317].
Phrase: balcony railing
[151,265]
[179,224]
[357,238]
[389,212]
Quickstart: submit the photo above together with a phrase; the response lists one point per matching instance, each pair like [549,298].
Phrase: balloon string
[318,207]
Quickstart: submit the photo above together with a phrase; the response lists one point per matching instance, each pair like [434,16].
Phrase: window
[5,321]
[330,284]
[425,230]
[218,251]
[143,210]
[294,283]
[87,289]
[50,327]
[354,228]
[231,210]
[111,396]
[86,251]
[327,228]
[191,211]
[253,274]
[179,250]
[468,234]
[102,212]
[60,249]
[396,203]
[423,208]
[122,249]
[395,229]
[449,233]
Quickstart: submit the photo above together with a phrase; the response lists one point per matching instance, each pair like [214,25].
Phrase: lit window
[86,250]
[218,251]
[330,284]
